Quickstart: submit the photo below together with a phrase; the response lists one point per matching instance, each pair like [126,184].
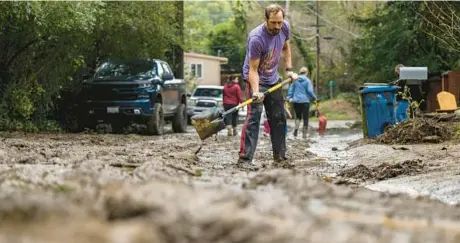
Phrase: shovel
[210,123]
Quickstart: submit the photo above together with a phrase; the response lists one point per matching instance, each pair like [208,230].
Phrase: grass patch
[334,116]
[344,107]
[12,125]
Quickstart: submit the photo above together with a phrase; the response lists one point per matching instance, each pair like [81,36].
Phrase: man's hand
[292,75]
[258,97]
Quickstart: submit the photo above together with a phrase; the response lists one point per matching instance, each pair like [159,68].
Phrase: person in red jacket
[232,97]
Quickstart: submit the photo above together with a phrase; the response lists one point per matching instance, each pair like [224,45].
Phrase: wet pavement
[133,188]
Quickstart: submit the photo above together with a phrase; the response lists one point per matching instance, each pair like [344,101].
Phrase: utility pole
[286,9]
[317,48]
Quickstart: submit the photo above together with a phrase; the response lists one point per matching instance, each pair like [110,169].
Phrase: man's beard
[274,31]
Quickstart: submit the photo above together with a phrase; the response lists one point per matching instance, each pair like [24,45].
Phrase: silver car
[206,97]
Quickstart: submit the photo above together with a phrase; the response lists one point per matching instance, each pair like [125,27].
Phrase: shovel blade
[208,123]
[206,128]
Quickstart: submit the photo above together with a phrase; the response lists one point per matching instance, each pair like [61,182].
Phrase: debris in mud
[284,164]
[383,171]
[125,165]
[399,148]
[431,139]
[357,143]
[189,172]
[260,180]
[419,130]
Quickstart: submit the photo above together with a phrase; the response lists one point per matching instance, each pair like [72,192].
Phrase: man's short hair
[273,8]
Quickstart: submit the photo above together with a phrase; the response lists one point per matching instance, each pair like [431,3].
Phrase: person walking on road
[265,44]
[232,97]
[299,94]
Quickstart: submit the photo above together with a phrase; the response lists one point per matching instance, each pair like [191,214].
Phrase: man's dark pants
[274,107]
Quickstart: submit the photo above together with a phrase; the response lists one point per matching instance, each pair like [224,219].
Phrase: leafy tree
[44,43]
[395,34]
[226,39]
[201,18]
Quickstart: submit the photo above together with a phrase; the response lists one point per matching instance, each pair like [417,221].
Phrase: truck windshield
[208,92]
[133,68]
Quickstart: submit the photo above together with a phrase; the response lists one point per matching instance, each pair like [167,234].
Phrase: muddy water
[332,148]
[436,173]
[131,188]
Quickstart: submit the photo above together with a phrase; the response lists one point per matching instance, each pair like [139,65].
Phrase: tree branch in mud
[198,173]
[124,165]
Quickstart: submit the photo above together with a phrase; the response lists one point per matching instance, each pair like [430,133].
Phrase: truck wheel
[91,125]
[155,123]
[71,124]
[117,127]
[179,122]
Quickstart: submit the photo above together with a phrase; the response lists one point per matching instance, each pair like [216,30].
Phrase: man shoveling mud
[260,72]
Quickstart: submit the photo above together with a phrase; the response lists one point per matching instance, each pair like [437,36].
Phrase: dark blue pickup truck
[139,91]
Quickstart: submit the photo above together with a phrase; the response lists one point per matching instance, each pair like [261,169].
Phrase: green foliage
[413,104]
[45,43]
[227,39]
[29,125]
[217,28]
[352,97]
[201,18]
[392,34]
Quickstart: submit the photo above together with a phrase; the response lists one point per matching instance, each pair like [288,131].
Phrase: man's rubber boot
[304,132]
[235,132]
[246,164]
[229,131]
[282,162]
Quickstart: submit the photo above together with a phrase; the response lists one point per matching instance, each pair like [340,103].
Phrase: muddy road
[133,188]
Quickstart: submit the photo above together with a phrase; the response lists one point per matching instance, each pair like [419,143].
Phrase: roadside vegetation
[343,107]
[46,46]
[50,46]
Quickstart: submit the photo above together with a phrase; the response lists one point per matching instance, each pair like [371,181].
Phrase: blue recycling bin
[378,107]
[401,110]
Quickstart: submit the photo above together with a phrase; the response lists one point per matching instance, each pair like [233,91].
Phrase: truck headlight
[191,102]
[145,85]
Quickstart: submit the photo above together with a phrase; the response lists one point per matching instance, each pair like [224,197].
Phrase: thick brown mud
[383,171]
[132,188]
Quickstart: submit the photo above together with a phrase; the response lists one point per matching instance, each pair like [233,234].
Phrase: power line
[303,38]
[331,23]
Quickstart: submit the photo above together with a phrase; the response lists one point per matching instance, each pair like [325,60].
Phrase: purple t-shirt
[268,48]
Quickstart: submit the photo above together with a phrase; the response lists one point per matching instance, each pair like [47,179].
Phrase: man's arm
[253,74]
[287,54]
[288,61]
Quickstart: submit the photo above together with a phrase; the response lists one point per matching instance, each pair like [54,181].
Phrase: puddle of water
[331,146]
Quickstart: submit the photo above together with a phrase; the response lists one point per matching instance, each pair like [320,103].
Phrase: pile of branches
[418,130]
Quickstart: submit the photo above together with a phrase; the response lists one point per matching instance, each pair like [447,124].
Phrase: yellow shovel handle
[249,101]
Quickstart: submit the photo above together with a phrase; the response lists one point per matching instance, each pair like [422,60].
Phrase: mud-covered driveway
[131,188]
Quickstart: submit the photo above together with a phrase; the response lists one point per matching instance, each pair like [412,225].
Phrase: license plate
[112,110]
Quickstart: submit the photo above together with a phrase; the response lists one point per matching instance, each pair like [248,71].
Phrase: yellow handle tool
[249,101]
